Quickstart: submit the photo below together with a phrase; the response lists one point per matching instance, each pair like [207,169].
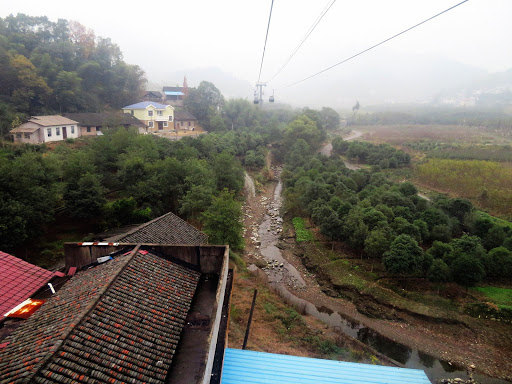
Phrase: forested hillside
[56,67]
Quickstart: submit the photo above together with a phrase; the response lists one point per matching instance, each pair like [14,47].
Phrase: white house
[44,129]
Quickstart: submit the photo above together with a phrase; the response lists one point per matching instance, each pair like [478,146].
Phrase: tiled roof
[24,129]
[166,229]
[50,120]
[118,322]
[183,115]
[152,93]
[18,281]
[104,119]
[145,104]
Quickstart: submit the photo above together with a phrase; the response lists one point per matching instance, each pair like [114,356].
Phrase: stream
[282,275]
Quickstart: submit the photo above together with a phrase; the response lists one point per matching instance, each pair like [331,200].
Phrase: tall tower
[185,87]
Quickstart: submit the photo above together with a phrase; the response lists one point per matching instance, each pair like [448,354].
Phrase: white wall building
[44,129]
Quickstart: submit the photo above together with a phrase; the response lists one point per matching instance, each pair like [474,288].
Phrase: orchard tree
[467,270]
[404,256]
[438,272]
[377,243]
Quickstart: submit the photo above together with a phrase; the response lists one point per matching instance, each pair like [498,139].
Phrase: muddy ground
[485,343]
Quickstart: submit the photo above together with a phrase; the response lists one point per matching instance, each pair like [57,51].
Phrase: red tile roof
[18,281]
[117,322]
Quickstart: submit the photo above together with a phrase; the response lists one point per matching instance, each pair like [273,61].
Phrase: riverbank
[446,346]
[278,325]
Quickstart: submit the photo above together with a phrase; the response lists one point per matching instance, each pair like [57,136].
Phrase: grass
[279,328]
[302,234]
[500,296]
[349,274]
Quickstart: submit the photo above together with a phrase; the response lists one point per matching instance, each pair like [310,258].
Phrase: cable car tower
[259,100]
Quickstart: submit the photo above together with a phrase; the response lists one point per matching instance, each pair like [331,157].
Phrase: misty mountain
[385,79]
[375,79]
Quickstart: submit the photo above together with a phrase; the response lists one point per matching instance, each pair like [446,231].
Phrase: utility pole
[260,86]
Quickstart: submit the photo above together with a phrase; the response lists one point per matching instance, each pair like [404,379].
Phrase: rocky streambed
[289,280]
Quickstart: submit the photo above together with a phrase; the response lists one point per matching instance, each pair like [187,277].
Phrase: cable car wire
[266,37]
[309,32]
[376,45]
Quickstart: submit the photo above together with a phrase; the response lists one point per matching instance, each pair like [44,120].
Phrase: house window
[159,113]
[170,118]
[189,124]
[150,113]
[49,132]
[165,124]
[88,129]
[27,135]
[150,124]
[73,129]
[57,131]
[18,135]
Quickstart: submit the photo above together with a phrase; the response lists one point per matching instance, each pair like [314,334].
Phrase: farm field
[469,162]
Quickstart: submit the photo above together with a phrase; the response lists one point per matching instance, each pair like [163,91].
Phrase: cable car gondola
[271,98]
[256,100]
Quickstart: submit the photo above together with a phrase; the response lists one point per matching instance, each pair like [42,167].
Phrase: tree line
[122,178]
[56,67]
[441,240]
[383,155]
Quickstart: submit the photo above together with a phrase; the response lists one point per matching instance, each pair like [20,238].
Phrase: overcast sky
[168,36]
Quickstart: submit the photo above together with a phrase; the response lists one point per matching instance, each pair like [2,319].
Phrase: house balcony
[162,118]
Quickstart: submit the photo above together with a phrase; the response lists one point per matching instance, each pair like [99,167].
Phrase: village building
[153,96]
[133,313]
[92,124]
[45,129]
[155,116]
[166,229]
[174,96]
[185,120]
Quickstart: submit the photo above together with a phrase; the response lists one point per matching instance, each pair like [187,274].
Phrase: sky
[168,37]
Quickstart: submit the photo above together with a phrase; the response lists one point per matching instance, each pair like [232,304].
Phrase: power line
[266,37]
[309,32]
[376,45]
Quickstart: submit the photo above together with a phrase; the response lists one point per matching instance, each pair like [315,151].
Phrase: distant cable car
[256,101]
[271,98]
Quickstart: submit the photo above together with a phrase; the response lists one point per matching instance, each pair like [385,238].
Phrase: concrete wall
[206,259]
[21,137]
[217,311]
[55,137]
[83,131]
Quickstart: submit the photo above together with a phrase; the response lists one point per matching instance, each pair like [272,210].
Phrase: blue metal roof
[145,104]
[269,368]
[173,93]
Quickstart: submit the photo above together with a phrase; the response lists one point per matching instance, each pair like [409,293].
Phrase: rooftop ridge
[83,314]
[118,238]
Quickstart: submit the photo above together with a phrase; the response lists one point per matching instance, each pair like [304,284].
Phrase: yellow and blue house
[155,116]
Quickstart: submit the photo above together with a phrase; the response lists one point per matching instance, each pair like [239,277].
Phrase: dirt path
[327,149]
